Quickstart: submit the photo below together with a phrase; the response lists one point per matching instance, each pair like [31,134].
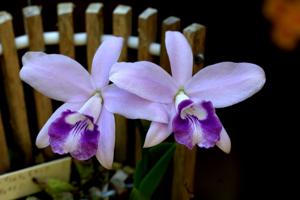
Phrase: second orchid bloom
[189,101]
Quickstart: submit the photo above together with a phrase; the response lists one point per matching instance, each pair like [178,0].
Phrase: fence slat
[122,26]
[94,29]
[185,159]
[34,29]
[147,32]
[14,90]
[169,24]
[66,29]
[4,161]
[195,34]
[122,22]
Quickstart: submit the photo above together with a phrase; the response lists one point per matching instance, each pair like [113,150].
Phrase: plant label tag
[20,183]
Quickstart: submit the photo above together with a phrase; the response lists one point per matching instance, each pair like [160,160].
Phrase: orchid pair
[84,125]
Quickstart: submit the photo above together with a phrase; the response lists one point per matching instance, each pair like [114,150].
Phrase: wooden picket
[122,26]
[94,29]
[4,161]
[147,47]
[13,89]
[185,159]
[66,29]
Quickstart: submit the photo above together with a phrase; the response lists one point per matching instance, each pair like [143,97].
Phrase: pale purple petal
[144,79]
[74,133]
[42,139]
[226,83]
[196,124]
[56,76]
[106,145]
[106,55]
[211,126]
[224,143]
[183,131]
[180,56]
[131,106]
[156,134]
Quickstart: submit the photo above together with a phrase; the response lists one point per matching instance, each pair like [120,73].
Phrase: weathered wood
[121,147]
[147,28]
[195,34]
[18,184]
[138,145]
[169,24]
[185,159]
[66,29]
[34,29]
[14,90]
[94,29]
[122,26]
[122,22]
[4,161]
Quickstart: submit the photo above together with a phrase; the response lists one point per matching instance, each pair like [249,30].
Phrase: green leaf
[151,169]
[153,178]
[137,195]
[149,158]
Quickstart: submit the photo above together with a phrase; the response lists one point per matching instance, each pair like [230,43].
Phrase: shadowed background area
[236,31]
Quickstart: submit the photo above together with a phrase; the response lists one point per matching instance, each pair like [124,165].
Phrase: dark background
[262,164]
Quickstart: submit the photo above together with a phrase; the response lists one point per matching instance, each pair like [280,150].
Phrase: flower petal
[180,56]
[131,106]
[184,131]
[226,83]
[106,145]
[74,133]
[157,133]
[196,124]
[144,79]
[211,126]
[106,55]
[224,143]
[42,139]
[56,76]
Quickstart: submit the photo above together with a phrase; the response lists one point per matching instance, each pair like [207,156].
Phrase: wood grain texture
[195,34]
[4,161]
[122,26]
[66,29]
[147,28]
[185,159]
[14,90]
[94,29]
[34,29]
[169,24]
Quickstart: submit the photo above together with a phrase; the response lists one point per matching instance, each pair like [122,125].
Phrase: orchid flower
[190,101]
[84,125]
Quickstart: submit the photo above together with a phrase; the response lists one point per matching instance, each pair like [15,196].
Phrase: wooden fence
[36,39]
